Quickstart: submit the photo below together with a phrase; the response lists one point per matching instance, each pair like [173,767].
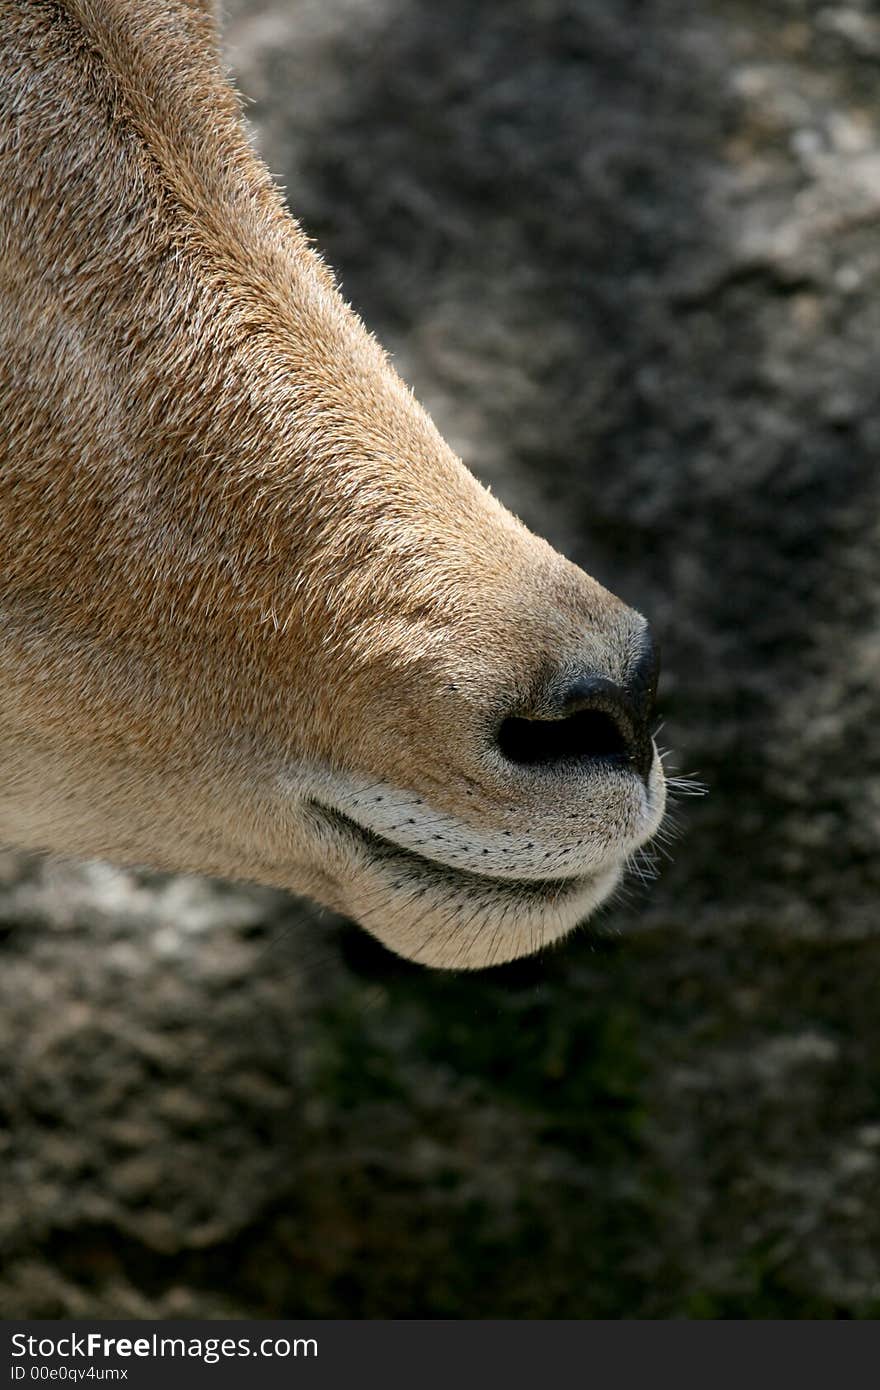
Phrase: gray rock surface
[628,252]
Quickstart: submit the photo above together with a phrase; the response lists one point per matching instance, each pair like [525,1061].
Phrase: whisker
[686,786]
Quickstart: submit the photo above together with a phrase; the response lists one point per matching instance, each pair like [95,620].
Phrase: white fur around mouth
[405,859]
[585,840]
[452,918]
[437,891]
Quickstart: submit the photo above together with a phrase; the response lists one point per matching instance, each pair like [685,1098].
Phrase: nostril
[588,734]
[596,720]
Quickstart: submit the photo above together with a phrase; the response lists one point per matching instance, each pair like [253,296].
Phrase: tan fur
[244,584]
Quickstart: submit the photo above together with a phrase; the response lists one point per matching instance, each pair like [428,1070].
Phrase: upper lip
[385,849]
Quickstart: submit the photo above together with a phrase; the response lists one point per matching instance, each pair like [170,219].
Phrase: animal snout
[585,717]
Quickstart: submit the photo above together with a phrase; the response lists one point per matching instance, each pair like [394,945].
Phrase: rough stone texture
[629,255]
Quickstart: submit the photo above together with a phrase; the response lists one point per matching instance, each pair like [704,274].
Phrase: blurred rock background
[628,253]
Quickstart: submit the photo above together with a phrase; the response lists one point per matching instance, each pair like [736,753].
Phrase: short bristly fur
[255,618]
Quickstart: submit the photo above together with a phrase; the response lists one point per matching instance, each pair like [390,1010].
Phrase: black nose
[591,718]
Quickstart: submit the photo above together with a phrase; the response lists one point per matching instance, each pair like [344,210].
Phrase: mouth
[450,917]
[409,861]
